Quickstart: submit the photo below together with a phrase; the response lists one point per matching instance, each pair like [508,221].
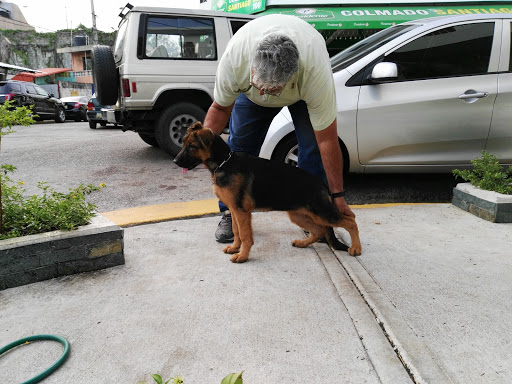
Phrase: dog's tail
[333,241]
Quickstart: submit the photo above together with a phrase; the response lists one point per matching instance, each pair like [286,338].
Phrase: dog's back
[277,186]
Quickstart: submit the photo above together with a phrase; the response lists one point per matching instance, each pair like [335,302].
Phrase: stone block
[488,205]
[33,258]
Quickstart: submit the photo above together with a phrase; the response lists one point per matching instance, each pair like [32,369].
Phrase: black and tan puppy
[245,183]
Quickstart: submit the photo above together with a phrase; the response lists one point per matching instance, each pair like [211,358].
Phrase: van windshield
[119,45]
[353,53]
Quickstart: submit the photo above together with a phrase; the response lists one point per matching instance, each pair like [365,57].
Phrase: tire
[151,140]
[92,125]
[104,74]
[60,115]
[287,151]
[172,126]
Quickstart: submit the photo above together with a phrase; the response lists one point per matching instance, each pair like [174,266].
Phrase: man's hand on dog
[343,207]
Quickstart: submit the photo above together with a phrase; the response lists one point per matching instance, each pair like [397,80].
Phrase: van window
[190,38]
[120,38]
[460,50]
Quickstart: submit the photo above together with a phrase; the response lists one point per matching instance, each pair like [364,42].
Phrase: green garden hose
[50,370]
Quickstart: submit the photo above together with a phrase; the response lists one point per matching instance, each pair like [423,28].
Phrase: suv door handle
[471,94]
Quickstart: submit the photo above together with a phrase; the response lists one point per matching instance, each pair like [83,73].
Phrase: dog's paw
[239,258]
[354,251]
[231,249]
[300,243]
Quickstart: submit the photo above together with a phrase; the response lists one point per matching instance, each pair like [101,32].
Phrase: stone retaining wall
[33,258]
[487,205]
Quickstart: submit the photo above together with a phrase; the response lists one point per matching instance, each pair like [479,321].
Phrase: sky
[54,15]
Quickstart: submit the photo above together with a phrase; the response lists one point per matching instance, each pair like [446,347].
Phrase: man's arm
[217,117]
[332,160]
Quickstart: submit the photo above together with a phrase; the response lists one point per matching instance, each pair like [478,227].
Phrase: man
[272,62]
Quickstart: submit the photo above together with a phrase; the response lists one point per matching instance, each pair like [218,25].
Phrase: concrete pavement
[428,301]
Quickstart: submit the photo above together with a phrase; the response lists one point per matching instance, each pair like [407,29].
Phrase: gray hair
[275,61]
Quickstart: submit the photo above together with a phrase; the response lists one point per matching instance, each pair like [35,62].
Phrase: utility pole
[94,30]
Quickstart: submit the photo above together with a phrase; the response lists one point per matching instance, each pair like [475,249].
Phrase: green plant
[20,215]
[10,116]
[488,174]
[42,213]
[232,378]
[175,380]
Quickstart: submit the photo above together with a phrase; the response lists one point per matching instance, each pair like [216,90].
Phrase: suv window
[180,38]
[41,91]
[460,50]
[31,89]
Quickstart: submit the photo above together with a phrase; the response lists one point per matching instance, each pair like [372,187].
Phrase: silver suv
[423,96]
[161,75]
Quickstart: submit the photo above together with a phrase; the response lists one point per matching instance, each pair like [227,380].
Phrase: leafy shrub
[488,174]
[48,212]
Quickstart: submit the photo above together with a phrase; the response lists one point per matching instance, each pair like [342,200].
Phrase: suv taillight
[90,106]
[9,96]
[126,88]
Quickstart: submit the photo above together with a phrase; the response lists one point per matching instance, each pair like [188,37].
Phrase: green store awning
[379,17]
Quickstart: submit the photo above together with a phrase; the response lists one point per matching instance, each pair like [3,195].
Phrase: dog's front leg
[243,221]
[235,247]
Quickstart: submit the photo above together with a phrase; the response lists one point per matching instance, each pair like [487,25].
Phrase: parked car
[422,96]
[160,77]
[22,93]
[94,114]
[76,107]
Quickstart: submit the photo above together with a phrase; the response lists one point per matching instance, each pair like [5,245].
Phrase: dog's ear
[205,137]
[195,127]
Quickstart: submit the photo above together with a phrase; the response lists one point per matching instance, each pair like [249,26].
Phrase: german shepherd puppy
[246,183]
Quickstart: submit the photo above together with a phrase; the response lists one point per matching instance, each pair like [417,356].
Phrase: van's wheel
[104,74]
[172,126]
[60,116]
[92,124]
[151,140]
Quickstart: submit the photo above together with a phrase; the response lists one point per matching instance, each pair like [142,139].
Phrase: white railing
[82,73]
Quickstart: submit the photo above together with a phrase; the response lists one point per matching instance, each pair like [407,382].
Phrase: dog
[245,183]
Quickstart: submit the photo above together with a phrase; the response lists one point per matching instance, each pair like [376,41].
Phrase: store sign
[239,6]
[378,17]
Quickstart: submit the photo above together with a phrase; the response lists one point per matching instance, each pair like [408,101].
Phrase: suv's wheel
[172,126]
[104,74]
[92,124]
[151,140]
[60,116]
[287,151]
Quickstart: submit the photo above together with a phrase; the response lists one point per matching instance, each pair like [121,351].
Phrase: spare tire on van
[104,75]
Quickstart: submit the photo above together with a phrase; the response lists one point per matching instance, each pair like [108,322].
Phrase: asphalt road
[136,174]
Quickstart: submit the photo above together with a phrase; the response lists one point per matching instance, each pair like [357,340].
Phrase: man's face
[274,91]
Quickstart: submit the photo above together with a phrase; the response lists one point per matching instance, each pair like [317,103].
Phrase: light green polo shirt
[313,82]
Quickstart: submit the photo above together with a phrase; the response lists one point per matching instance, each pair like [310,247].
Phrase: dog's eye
[191,147]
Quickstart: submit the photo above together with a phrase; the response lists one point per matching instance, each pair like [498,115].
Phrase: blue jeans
[249,124]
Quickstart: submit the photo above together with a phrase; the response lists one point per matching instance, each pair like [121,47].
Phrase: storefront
[342,23]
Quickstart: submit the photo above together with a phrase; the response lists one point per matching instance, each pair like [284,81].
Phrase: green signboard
[379,17]
[239,6]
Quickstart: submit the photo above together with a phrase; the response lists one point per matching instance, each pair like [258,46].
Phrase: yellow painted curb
[172,211]
[162,212]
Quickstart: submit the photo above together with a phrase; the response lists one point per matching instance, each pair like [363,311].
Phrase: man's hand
[343,207]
